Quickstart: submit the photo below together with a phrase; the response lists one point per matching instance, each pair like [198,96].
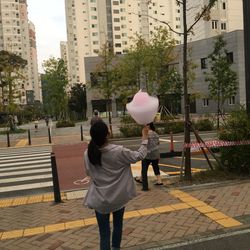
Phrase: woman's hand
[145,133]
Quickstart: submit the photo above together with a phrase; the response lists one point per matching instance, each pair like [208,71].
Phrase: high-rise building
[15,38]
[92,23]
[225,16]
[34,77]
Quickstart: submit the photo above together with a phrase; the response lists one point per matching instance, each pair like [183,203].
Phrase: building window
[223,5]
[116,3]
[94,25]
[95,42]
[123,18]
[214,24]
[117,28]
[95,34]
[93,8]
[231,100]
[223,26]
[117,37]
[116,11]
[94,17]
[118,45]
[205,102]
[93,1]
[230,57]
[116,20]
[96,51]
[203,63]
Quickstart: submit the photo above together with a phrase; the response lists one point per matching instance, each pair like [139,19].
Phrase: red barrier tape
[216,143]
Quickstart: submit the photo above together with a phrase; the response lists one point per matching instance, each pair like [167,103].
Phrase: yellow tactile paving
[19,201]
[216,216]
[35,199]
[74,224]
[54,227]
[206,209]
[29,200]
[196,203]
[131,214]
[148,211]
[90,221]
[33,231]
[12,234]
[229,222]
[164,209]
[22,143]
[180,206]
[5,203]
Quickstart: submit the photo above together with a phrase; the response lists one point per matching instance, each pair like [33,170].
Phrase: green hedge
[130,128]
[237,128]
[64,124]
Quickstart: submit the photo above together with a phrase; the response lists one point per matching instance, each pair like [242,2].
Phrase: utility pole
[246,17]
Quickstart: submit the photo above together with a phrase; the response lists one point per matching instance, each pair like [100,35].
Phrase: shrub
[204,125]
[129,131]
[237,128]
[64,124]
[174,126]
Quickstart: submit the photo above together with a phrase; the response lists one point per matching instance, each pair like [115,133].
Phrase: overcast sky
[49,19]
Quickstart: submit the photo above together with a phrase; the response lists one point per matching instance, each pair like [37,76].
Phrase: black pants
[144,171]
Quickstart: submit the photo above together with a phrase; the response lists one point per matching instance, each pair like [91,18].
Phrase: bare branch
[202,14]
[176,32]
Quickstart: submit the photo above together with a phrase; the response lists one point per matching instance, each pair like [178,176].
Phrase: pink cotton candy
[143,108]
[140,98]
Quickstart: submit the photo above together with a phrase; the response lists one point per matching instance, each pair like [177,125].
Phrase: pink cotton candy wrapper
[143,107]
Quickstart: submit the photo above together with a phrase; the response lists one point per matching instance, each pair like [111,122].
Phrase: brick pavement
[159,216]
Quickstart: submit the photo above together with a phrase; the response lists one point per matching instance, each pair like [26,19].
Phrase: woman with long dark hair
[112,184]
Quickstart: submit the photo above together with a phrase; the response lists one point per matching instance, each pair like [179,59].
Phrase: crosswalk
[25,171]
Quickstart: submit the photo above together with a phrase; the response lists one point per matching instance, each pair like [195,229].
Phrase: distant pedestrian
[112,185]
[36,125]
[47,121]
[95,118]
[152,157]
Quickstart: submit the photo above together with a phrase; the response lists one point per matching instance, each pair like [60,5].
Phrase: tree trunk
[188,174]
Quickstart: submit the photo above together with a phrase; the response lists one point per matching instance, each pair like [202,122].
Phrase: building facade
[17,36]
[199,52]
[225,16]
[93,23]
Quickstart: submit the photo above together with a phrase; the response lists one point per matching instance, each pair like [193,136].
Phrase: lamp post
[246,17]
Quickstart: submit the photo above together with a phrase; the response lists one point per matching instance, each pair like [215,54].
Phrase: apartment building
[225,16]
[202,104]
[92,23]
[16,36]
[34,75]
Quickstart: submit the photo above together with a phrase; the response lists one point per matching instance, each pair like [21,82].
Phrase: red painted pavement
[70,166]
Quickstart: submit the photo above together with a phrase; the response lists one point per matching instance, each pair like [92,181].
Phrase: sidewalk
[153,219]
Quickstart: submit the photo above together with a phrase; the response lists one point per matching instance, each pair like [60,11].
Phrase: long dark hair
[98,133]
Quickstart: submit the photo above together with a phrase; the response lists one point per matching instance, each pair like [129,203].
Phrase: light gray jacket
[112,183]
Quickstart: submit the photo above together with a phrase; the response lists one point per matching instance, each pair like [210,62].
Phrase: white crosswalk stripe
[25,171]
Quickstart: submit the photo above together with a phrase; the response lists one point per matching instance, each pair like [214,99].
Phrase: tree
[56,81]
[77,100]
[205,14]
[105,76]
[11,73]
[222,79]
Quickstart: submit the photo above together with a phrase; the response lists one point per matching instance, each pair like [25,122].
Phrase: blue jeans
[104,229]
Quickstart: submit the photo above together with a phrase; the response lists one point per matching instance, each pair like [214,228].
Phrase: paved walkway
[152,219]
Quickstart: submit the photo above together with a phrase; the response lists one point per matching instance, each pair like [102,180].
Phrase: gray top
[112,183]
[153,146]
